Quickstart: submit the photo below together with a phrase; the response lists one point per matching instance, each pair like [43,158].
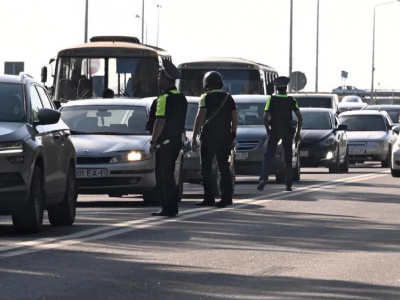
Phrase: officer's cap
[169,69]
[281,81]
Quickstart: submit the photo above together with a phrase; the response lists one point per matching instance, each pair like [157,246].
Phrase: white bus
[241,76]
[118,63]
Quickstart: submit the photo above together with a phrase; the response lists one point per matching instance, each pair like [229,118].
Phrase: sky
[258,30]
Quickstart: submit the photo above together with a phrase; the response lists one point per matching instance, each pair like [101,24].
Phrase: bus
[241,76]
[119,63]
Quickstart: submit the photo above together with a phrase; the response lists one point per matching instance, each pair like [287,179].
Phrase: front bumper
[316,155]
[363,152]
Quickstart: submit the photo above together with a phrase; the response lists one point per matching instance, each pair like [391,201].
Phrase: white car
[395,160]
[112,147]
[351,102]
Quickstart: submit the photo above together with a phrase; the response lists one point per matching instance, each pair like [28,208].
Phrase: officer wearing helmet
[216,122]
[168,131]
[278,124]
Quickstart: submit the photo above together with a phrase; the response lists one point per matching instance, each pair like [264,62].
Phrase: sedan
[112,146]
[351,102]
[251,140]
[371,136]
[323,140]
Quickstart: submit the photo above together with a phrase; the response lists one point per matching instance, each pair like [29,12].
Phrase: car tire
[151,198]
[64,213]
[344,167]
[386,163]
[395,173]
[296,172]
[29,218]
[335,167]
[216,181]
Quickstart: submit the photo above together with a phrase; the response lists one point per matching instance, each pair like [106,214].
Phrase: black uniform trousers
[167,189]
[286,135]
[220,147]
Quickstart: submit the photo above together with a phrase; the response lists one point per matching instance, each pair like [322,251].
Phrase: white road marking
[103,232]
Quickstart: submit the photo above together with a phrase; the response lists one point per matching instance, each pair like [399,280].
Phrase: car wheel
[151,198]
[64,213]
[335,167]
[216,181]
[29,218]
[179,186]
[344,167]
[280,177]
[296,171]
[386,163]
[395,173]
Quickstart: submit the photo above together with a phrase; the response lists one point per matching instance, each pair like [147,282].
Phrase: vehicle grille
[92,160]
[103,182]
[10,180]
[246,145]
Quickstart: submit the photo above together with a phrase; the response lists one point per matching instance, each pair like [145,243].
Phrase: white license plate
[357,151]
[242,155]
[90,173]
[303,153]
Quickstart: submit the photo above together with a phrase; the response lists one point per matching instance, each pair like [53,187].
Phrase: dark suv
[37,157]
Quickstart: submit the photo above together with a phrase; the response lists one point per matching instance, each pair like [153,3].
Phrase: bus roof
[113,46]
[227,62]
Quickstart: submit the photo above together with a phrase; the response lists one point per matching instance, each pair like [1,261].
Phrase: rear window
[322,102]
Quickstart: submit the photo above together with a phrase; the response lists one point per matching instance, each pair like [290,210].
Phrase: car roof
[16,78]
[363,112]
[250,98]
[192,99]
[316,95]
[383,106]
[316,109]
[101,101]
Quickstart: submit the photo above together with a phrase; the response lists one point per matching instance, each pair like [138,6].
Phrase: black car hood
[11,131]
[311,136]
[251,132]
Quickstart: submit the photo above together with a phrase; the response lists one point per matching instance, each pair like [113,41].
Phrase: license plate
[357,151]
[90,173]
[303,153]
[242,155]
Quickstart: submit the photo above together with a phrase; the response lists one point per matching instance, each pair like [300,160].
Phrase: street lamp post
[290,44]
[145,24]
[373,48]
[158,22]
[86,20]
[143,21]
[317,50]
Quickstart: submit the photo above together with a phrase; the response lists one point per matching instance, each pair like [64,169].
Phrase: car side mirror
[43,75]
[48,116]
[341,127]
[396,129]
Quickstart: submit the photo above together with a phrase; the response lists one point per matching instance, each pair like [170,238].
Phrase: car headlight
[373,143]
[130,156]
[328,141]
[11,147]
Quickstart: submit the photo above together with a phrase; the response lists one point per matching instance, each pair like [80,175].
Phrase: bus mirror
[43,75]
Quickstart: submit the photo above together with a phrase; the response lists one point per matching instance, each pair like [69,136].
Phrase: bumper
[191,167]
[396,158]
[124,178]
[317,156]
[368,153]
[250,163]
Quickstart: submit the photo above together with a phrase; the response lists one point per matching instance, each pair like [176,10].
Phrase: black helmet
[213,78]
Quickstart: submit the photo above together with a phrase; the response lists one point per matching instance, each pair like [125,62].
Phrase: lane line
[107,231]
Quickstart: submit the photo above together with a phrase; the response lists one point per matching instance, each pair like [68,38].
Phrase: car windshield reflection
[106,120]
[316,120]
[363,123]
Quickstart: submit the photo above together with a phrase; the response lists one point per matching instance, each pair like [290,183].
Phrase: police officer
[169,126]
[278,123]
[217,120]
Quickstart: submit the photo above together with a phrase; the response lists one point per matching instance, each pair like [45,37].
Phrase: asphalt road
[336,236]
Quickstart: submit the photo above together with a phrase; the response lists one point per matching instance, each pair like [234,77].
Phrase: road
[336,236]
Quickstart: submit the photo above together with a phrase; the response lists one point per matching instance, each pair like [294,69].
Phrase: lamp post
[158,22]
[143,21]
[86,20]
[317,50]
[290,44]
[373,48]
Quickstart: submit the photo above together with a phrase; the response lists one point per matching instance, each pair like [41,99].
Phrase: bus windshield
[235,81]
[87,77]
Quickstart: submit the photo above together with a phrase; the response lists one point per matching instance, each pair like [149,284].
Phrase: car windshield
[316,120]
[250,113]
[363,122]
[11,102]
[102,119]
[191,116]
[323,102]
